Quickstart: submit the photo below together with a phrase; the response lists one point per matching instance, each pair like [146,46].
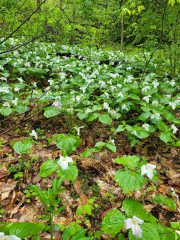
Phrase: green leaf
[69,174]
[23,147]
[21,108]
[130,161]
[47,168]
[113,222]
[92,117]
[68,143]
[51,112]
[162,126]
[166,137]
[149,232]
[22,229]
[166,233]
[129,180]
[163,200]
[105,119]
[89,151]
[133,207]
[81,115]
[5,111]
[108,145]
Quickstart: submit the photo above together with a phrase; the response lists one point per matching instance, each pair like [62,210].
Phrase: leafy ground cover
[88,144]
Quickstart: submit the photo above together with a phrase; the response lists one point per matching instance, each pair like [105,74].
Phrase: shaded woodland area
[89,119]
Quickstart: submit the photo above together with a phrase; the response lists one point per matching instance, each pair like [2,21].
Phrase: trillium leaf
[23,147]
[51,112]
[130,161]
[163,200]
[47,168]
[69,174]
[105,119]
[166,233]
[23,229]
[133,207]
[129,180]
[92,117]
[149,232]
[113,222]
[68,143]
[5,111]
[166,137]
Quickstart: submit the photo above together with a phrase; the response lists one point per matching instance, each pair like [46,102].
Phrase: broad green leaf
[166,233]
[105,119]
[108,145]
[69,174]
[166,137]
[47,168]
[162,126]
[129,180]
[113,222]
[5,111]
[130,161]
[133,207]
[92,117]
[51,112]
[163,200]
[81,115]
[149,232]
[23,147]
[22,229]
[68,143]
[89,151]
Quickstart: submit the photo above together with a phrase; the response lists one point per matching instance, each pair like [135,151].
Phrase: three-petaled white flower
[146,126]
[133,223]
[64,162]
[56,104]
[174,128]
[148,169]
[8,237]
[34,134]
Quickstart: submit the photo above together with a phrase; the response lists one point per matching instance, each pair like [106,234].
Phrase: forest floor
[95,178]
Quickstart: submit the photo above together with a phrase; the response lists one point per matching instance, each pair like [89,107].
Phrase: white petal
[128,223]
[1,234]
[69,159]
[63,165]
[138,220]
[143,170]
[137,231]
[152,166]
[150,173]
[13,237]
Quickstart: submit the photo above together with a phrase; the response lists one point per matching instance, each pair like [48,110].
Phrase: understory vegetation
[89,128]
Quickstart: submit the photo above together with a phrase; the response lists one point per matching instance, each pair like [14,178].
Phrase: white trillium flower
[27,64]
[8,237]
[174,128]
[148,170]
[172,83]
[156,116]
[124,107]
[15,101]
[173,105]
[6,104]
[145,88]
[146,98]
[155,83]
[34,134]
[56,104]
[155,103]
[3,79]
[146,126]
[134,224]
[64,162]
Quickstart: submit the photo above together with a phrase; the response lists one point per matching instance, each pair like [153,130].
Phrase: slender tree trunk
[122,32]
